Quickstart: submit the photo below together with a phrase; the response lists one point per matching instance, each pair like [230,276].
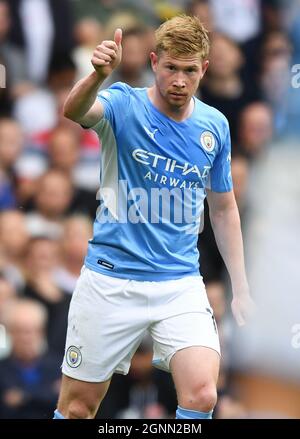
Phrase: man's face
[177,78]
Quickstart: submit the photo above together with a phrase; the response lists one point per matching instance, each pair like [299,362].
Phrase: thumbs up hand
[107,56]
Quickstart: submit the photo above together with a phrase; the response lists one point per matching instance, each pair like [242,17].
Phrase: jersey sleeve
[220,175]
[116,103]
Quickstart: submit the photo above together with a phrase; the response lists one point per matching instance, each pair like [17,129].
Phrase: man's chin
[177,101]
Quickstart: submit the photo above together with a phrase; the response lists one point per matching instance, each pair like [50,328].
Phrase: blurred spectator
[290,12]
[64,155]
[27,111]
[11,142]
[126,20]
[29,378]
[133,68]
[63,150]
[61,73]
[255,130]
[272,14]
[202,10]
[103,10]
[67,148]
[60,76]
[77,232]
[240,20]
[14,61]
[41,262]
[51,203]
[7,196]
[13,238]
[88,34]
[7,294]
[98,9]
[275,77]
[223,86]
[166,9]
[274,44]
[28,169]
[43,29]
[291,17]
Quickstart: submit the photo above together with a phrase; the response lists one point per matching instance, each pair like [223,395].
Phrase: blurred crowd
[49,172]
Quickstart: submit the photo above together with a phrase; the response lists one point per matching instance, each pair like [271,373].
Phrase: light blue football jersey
[153,176]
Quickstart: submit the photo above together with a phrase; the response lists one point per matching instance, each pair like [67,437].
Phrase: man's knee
[80,410]
[80,399]
[201,398]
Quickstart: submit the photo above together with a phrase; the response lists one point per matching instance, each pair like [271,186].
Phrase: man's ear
[205,65]
[154,61]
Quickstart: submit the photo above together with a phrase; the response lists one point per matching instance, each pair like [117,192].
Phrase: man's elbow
[221,216]
[67,112]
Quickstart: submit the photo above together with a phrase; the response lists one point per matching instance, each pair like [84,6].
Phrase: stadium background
[49,179]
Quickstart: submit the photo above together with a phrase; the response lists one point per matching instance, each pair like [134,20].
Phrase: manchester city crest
[73,356]
[207,141]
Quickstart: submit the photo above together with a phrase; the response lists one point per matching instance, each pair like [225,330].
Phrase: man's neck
[179,114]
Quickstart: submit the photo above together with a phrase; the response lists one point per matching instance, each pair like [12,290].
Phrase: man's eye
[171,67]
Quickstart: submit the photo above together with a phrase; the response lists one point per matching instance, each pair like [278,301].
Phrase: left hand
[242,307]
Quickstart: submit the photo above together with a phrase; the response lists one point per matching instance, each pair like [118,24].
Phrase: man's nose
[179,80]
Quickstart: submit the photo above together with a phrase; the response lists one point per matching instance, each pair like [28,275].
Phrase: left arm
[225,221]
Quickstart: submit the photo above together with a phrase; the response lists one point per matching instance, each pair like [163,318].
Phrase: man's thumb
[118,37]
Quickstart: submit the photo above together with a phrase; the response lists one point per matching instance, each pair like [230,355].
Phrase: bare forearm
[227,230]
[82,96]
[82,105]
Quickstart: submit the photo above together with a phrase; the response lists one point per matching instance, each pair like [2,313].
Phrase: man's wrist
[240,287]
[98,77]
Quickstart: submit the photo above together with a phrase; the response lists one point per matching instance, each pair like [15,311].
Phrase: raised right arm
[82,105]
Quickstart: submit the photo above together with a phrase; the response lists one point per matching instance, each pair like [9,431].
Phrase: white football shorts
[109,317]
